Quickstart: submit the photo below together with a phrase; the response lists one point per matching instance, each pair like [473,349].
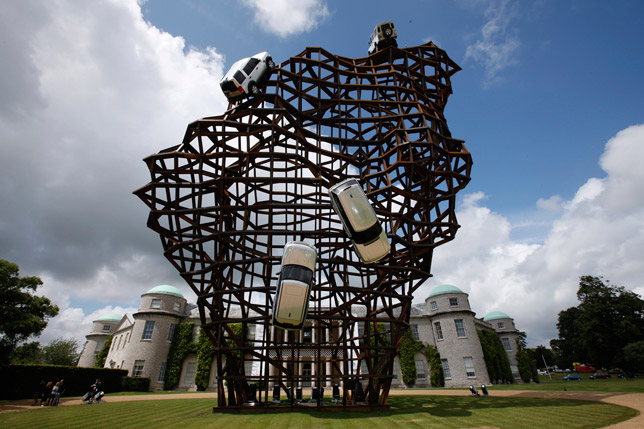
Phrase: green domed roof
[496,315]
[166,289]
[110,317]
[439,290]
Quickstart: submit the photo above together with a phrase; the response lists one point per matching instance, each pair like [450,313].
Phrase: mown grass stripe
[406,412]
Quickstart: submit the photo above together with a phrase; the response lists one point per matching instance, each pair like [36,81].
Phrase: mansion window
[446,371]
[177,306]
[138,368]
[307,335]
[469,367]
[147,331]
[420,370]
[173,326]
[500,325]
[106,328]
[156,303]
[162,371]
[439,331]
[515,371]
[460,328]
[506,344]
[433,305]
[195,334]
[191,370]
[306,371]
[453,302]
[414,332]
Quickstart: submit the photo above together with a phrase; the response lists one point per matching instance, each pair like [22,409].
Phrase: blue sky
[549,102]
[559,78]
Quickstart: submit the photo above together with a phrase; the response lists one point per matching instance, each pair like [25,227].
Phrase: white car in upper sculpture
[294,285]
[246,75]
[359,220]
[383,35]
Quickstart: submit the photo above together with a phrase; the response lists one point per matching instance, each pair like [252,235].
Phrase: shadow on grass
[449,406]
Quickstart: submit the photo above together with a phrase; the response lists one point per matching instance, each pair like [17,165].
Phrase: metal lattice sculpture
[240,185]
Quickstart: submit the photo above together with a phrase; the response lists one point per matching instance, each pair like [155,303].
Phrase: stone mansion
[140,342]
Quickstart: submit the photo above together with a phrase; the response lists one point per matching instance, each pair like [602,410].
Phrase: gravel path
[631,400]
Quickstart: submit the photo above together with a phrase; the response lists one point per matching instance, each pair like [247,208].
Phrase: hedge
[21,381]
[136,384]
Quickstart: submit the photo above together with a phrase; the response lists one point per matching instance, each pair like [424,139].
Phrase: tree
[543,356]
[632,358]
[61,352]
[27,354]
[527,365]
[22,314]
[606,320]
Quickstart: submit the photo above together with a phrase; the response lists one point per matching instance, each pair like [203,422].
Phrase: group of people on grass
[49,393]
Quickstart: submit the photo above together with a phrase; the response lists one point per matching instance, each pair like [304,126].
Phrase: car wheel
[253,89]
[270,63]
[387,32]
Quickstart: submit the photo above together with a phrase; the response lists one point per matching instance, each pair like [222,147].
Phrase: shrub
[135,384]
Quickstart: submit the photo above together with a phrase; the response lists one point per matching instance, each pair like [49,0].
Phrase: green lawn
[611,385]
[406,412]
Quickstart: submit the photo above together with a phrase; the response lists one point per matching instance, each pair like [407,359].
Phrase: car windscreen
[297,272]
[357,208]
[368,235]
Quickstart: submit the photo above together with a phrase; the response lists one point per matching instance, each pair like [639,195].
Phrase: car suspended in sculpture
[294,285]
[359,220]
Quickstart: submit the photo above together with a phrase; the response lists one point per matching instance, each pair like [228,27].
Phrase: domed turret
[103,327]
[455,336]
[166,289]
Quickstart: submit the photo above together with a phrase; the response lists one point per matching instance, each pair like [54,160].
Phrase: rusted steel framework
[242,184]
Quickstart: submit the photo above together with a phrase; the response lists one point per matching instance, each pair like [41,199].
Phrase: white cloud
[91,89]
[600,232]
[288,17]
[554,203]
[72,322]
[497,45]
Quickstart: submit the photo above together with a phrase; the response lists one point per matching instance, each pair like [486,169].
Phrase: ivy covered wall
[496,359]
[102,355]
[180,347]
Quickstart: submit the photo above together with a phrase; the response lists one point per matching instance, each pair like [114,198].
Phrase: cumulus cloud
[497,45]
[89,90]
[599,232]
[554,203]
[288,17]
